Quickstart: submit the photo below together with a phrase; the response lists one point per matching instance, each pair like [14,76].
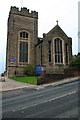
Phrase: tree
[75,61]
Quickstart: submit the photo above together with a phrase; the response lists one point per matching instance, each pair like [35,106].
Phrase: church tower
[22,34]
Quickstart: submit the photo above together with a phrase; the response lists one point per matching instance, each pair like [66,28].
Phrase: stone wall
[68,73]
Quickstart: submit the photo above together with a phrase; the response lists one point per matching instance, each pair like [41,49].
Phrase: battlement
[24,12]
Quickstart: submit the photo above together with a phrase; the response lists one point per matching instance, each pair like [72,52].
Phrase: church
[53,50]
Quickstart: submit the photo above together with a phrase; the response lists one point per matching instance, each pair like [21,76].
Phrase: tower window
[23,47]
[23,35]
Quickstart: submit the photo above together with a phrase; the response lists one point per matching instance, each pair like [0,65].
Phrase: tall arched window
[49,50]
[58,50]
[23,46]
[66,55]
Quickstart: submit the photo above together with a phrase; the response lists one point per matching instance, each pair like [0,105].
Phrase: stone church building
[24,46]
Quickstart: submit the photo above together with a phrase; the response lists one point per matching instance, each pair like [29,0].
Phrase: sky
[65,11]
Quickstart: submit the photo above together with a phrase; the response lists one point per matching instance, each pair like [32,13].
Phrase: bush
[75,62]
[30,70]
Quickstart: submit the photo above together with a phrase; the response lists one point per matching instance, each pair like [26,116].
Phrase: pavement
[13,85]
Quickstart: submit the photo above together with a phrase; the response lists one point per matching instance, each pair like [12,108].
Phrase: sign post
[41,70]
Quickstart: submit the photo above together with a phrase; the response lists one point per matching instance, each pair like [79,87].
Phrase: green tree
[30,70]
[75,62]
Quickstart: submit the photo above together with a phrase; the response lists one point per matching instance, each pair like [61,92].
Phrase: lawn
[27,79]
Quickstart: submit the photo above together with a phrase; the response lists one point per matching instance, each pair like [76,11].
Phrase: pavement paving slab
[13,85]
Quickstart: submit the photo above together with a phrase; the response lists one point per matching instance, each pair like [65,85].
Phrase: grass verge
[27,79]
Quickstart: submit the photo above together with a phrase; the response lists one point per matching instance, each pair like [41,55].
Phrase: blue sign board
[39,70]
[12,59]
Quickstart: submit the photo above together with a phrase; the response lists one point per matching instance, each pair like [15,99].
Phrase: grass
[27,79]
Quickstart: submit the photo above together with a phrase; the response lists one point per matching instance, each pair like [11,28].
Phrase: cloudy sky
[65,11]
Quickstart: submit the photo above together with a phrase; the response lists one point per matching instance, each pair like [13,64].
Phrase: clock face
[79,34]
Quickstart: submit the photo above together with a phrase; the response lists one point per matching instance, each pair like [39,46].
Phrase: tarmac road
[50,102]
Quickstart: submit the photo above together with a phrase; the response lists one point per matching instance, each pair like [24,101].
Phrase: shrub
[75,62]
[30,70]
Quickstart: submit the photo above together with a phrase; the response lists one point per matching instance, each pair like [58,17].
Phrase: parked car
[2,78]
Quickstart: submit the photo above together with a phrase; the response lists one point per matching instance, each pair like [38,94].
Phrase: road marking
[62,96]
[72,92]
[52,99]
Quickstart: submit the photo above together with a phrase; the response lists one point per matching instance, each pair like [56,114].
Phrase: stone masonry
[38,54]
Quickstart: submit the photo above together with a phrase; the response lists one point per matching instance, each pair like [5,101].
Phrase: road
[49,102]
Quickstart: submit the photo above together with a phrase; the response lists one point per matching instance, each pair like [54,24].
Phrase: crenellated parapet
[24,12]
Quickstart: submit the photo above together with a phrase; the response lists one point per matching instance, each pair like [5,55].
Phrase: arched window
[66,55]
[58,50]
[23,46]
[49,50]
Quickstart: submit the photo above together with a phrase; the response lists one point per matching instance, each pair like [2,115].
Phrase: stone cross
[57,22]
